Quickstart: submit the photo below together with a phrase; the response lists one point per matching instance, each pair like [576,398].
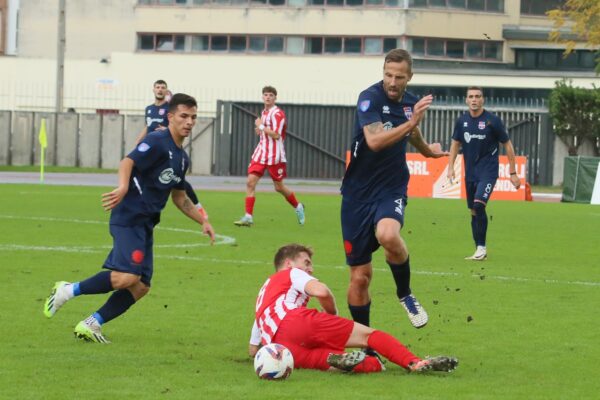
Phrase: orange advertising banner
[428,178]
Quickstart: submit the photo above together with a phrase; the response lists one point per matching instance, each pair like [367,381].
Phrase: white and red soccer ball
[273,361]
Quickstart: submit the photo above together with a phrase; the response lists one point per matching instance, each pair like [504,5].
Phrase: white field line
[222,239]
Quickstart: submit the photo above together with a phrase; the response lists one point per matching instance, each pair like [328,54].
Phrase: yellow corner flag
[43,139]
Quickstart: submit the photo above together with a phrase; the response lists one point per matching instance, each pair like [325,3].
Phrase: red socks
[250,205]
[389,347]
[292,200]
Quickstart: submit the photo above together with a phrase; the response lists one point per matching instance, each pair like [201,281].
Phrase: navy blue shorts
[132,251]
[359,221]
[480,191]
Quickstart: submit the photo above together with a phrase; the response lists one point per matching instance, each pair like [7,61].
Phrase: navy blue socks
[99,283]
[401,273]
[117,304]
[361,314]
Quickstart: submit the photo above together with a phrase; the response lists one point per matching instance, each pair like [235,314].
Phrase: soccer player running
[374,189]
[318,340]
[156,120]
[154,170]
[269,155]
[478,132]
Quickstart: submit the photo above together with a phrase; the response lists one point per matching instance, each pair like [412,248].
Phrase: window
[418,46]
[554,59]
[199,43]
[474,50]
[492,51]
[495,5]
[587,59]
[333,45]
[179,43]
[456,3]
[314,45]
[373,46]
[237,44]
[389,44]
[437,3]
[526,59]
[146,42]
[257,43]
[474,5]
[218,43]
[352,45]
[455,49]
[295,45]
[435,47]
[539,7]
[477,5]
[275,44]
[547,59]
[164,43]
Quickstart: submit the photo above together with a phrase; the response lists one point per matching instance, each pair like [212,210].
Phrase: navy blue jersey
[156,115]
[159,166]
[371,175]
[479,138]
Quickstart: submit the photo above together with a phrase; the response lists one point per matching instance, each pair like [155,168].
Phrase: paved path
[201,183]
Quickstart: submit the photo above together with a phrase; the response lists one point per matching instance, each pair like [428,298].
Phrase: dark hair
[161,82]
[181,98]
[269,89]
[398,55]
[475,88]
[290,251]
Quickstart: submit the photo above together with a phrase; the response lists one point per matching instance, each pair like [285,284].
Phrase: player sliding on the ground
[154,170]
[316,339]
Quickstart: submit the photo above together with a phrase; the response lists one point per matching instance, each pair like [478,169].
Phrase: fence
[318,137]
[88,140]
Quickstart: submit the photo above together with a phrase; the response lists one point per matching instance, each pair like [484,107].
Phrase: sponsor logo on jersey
[387,126]
[408,112]
[481,125]
[149,120]
[385,110]
[465,124]
[364,105]
[468,137]
[143,147]
[167,176]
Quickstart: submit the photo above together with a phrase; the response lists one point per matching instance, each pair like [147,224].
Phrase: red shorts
[311,335]
[277,171]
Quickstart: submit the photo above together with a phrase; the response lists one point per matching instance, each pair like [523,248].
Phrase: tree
[576,115]
[583,17]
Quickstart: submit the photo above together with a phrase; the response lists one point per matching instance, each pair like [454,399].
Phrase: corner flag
[43,139]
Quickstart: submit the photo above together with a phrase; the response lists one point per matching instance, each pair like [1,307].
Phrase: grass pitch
[524,324]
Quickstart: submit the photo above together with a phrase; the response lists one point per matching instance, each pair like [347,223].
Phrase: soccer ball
[273,361]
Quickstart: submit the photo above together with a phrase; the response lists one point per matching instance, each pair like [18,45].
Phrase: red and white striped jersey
[269,151]
[282,292]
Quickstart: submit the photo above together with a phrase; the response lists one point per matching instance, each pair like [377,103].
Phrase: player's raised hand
[111,199]
[420,108]
[436,151]
[207,229]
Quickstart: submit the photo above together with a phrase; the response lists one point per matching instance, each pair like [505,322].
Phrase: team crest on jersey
[143,147]
[481,125]
[364,105]
[161,111]
[408,112]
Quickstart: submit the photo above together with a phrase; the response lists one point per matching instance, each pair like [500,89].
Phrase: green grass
[50,168]
[533,333]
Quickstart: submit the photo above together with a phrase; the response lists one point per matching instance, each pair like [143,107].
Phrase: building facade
[313,51]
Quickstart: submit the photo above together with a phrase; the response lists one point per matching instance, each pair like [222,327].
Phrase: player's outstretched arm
[433,150]
[111,199]
[378,138]
[510,154]
[186,206]
[314,288]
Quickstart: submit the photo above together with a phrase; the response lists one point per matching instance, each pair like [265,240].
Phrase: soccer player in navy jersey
[479,132]
[154,170]
[156,120]
[374,189]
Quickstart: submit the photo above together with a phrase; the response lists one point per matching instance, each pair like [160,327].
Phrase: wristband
[261,127]
[513,173]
